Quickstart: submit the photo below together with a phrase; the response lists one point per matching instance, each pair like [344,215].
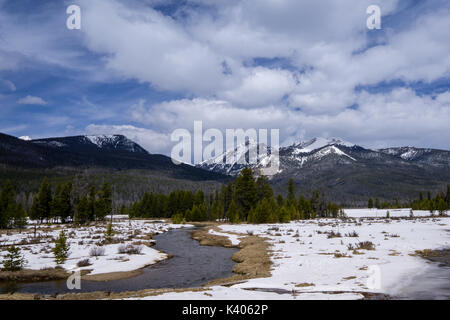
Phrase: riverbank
[98,257]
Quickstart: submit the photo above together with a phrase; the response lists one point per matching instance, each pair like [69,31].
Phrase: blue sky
[146,68]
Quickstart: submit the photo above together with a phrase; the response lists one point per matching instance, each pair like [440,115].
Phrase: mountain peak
[114,142]
[318,143]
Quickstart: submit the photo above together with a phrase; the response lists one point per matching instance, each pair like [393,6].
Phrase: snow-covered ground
[306,260]
[381,213]
[83,239]
[234,239]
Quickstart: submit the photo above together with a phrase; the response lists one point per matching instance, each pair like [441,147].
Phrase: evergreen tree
[245,192]
[294,214]
[370,203]
[103,203]
[263,188]
[61,205]
[83,211]
[291,200]
[280,200]
[44,201]
[284,214]
[91,204]
[7,205]
[19,216]
[13,260]
[109,232]
[61,249]
[377,203]
[441,207]
[263,212]
[232,213]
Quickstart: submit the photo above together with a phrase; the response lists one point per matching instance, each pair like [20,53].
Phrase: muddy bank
[252,259]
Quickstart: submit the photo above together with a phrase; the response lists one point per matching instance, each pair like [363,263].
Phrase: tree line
[245,199]
[440,202]
[59,204]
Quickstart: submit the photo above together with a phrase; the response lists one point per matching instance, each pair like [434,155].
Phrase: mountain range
[346,172]
[105,151]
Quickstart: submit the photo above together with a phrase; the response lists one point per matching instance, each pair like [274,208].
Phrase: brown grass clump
[207,239]
[27,275]
[305,284]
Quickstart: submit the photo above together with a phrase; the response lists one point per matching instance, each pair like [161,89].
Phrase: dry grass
[305,284]
[253,259]
[27,275]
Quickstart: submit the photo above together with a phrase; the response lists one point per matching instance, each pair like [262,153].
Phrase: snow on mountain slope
[321,153]
[313,150]
[317,143]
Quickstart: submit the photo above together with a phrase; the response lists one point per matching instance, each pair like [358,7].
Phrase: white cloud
[33,100]
[208,57]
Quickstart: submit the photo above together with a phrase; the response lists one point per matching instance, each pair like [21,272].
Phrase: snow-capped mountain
[424,156]
[231,162]
[115,152]
[104,142]
[296,155]
[347,171]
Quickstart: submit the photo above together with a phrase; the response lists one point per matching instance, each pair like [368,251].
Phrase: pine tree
[103,203]
[441,207]
[377,203]
[232,213]
[109,232]
[263,188]
[370,203]
[7,205]
[83,210]
[291,200]
[61,249]
[44,200]
[91,204]
[20,217]
[280,200]
[284,214]
[13,260]
[263,212]
[61,204]
[245,192]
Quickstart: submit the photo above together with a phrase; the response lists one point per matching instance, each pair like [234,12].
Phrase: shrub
[61,249]
[352,234]
[13,260]
[97,251]
[177,218]
[333,234]
[366,245]
[129,249]
[84,263]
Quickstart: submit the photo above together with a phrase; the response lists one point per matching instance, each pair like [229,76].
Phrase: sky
[144,68]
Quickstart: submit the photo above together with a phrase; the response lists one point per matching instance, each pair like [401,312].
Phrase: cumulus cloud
[32,100]
[209,54]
